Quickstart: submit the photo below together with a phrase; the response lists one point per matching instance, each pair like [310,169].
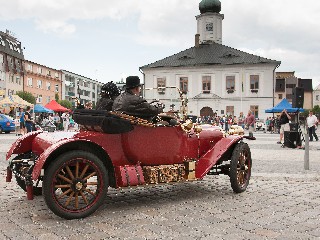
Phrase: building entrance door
[206,111]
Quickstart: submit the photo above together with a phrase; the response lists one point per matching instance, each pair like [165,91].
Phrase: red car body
[34,155]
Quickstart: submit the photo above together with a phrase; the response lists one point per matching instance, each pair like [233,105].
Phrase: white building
[215,78]
[80,87]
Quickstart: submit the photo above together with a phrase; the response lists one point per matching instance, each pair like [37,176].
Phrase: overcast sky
[110,39]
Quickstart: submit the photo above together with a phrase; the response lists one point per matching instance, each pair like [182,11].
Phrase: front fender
[208,160]
[23,144]
[46,154]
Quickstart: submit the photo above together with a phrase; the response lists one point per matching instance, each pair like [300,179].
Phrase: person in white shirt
[311,123]
[66,120]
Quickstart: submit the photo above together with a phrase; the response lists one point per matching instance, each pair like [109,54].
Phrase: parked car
[7,124]
[260,125]
[73,170]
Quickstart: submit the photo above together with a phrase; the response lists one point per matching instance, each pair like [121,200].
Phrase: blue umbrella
[38,108]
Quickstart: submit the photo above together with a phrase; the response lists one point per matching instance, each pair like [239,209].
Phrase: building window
[93,95]
[39,84]
[39,70]
[317,97]
[93,86]
[206,84]
[29,83]
[29,67]
[48,99]
[255,110]
[161,84]
[18,80]
[2,76]
[184,84]
[1,59]
[49,73]
[48,85]
[230,83]
[56,75]
[85,84]
[280,96]
[39,98]
[12,78]
[56,88]
[254,82]
[230,110]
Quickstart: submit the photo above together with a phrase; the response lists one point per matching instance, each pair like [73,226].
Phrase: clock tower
[209,22]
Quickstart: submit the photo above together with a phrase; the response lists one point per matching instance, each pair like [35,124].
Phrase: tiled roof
[209,54]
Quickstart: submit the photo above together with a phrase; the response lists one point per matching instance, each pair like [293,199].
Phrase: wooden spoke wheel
[75,184]
[240,167]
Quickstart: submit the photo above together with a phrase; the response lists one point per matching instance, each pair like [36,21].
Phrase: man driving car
[131,103]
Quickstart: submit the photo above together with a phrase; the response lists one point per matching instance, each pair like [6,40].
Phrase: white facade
[218,99]
[75,86]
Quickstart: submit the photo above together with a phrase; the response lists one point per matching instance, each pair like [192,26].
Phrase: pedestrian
[250,121]
[241,119]
[66,121]
[284,124]
[311,124]
[27,119]
[108,93]
[22,122]
[130,102]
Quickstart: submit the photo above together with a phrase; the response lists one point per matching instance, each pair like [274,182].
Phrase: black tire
[37,191]
[68,186]
[1,130]
[240,167]
[7,132]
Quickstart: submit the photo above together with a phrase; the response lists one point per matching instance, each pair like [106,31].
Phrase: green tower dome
[210,6]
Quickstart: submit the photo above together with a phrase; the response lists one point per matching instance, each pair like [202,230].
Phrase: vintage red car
[73,170]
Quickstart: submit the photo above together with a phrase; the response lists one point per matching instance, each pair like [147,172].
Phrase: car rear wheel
[240,167]
[75,184]
[1,130]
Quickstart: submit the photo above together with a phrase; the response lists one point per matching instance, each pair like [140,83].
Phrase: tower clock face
[209,27]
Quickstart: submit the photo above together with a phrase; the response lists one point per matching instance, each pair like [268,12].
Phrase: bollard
[306,151]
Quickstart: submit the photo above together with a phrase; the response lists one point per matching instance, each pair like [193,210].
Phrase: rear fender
[208,160]
[23,144]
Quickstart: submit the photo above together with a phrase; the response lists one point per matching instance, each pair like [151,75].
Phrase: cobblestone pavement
[281,202]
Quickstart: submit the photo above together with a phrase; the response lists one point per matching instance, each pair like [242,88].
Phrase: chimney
[197,40]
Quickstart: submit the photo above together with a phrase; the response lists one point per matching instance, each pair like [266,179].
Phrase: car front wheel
[240,167]
[75,184]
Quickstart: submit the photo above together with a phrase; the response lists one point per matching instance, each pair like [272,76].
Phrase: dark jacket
[104,104]
[135,106]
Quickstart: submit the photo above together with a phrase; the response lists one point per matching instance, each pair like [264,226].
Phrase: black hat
[132,82]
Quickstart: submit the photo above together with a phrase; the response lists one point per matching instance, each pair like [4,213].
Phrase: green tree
[56,96]
[65,103]
[27,96]
[316,109]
